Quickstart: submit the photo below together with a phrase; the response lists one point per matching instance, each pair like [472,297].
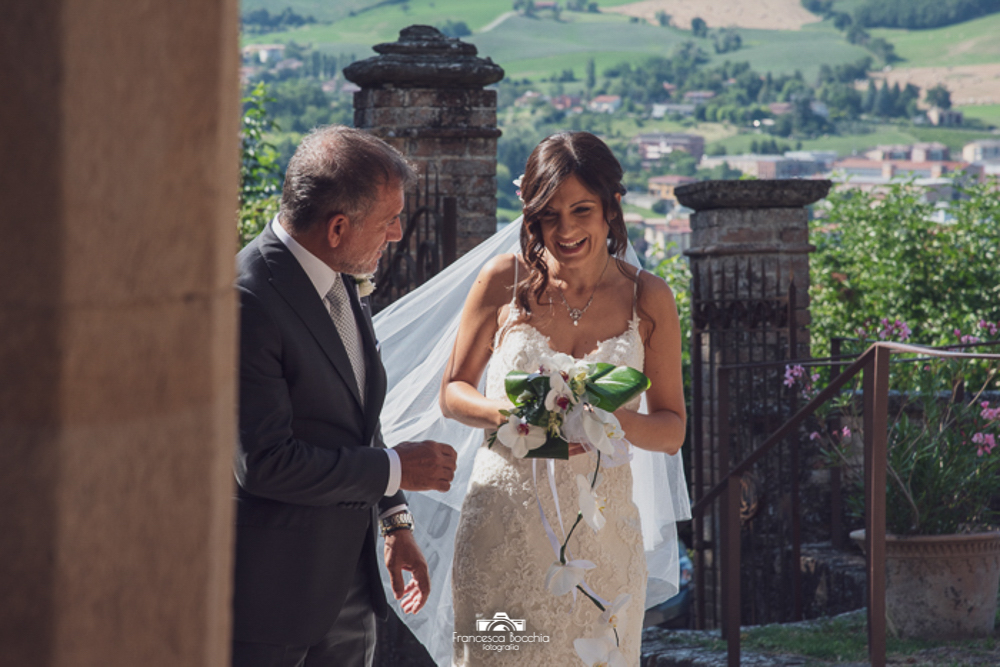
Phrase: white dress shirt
[322,278]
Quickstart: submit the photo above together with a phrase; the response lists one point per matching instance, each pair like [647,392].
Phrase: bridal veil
[416,335]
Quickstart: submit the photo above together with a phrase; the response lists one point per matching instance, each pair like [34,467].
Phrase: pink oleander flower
[986,442]
[846,432]
[989,414]
[815,435]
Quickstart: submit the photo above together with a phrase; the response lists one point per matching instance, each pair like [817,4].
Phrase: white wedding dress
[416,335]
[502,552]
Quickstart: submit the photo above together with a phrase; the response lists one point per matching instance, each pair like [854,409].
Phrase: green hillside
[321,10]
[538,47]
[971,43]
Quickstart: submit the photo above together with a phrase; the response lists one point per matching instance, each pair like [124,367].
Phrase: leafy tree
[663,18]
[698,27]
[727,40]
[868,104]
[821,7]
[591,77]
[921,14]
[259,172]
[883,256]
[939,96]
[454,28]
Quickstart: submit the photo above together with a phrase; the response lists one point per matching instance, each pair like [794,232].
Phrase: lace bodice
[502,553]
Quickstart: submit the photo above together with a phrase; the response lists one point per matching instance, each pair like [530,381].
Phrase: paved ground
[685,648]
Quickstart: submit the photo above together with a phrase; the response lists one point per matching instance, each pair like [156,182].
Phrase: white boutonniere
[366,285]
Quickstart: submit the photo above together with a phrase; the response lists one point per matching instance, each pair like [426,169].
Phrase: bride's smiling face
[574,229]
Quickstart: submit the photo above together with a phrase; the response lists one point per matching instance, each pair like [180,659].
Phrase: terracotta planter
[941,586]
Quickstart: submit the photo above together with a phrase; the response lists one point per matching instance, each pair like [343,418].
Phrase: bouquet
[566,400]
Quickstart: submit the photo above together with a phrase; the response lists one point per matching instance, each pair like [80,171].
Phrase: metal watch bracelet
[398,521]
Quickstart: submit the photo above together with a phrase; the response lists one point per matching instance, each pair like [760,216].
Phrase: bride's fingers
[575,449]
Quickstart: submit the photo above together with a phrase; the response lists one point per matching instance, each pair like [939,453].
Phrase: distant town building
[565,102]
[263,53]
[289,64]
[944,117]
[897,169]
[527,98]
[780,108]
[662,187]
[665,237]
[660,110]
[765,166]
[933,151]
[981,150]
[824,159]
[606,103]
[698,96]
[936,178]
[654,146]
[890,152]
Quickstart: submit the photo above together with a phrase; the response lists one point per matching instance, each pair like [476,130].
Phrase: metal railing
[874,364]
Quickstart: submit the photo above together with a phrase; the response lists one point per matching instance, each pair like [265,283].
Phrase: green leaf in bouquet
[611,387]
[519,384]
[554,448]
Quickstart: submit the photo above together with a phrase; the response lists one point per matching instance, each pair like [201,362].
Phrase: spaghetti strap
[635,296]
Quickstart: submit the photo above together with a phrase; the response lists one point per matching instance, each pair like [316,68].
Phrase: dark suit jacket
[311,478]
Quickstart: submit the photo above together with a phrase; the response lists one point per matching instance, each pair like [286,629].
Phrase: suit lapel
[291,281]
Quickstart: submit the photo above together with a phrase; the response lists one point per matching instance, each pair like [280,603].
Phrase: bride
[569,291]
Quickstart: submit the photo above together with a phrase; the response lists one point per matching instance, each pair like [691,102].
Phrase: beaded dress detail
[502,553]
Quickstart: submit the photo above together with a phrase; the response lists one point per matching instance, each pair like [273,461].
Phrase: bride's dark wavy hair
[555,159]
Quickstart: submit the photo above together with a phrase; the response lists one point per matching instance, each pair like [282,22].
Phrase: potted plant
[943,480]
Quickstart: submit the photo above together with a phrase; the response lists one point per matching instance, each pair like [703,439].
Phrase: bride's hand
[576,448]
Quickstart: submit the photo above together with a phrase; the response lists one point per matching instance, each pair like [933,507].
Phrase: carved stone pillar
[750,305]
[425,95]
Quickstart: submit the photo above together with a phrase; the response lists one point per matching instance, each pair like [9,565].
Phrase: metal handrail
[874,361]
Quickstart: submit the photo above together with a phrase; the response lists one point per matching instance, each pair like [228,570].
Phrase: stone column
[119,135]
[424,94]
[749,260]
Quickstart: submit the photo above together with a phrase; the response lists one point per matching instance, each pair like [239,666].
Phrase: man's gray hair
[339,170]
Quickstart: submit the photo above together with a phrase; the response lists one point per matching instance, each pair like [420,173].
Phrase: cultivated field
[968,84]
[759,14]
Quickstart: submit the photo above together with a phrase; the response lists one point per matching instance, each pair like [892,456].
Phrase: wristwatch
[397,521]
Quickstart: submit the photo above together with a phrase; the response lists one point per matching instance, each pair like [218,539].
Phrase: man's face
[362,245]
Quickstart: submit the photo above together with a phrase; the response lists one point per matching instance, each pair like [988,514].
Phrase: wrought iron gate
[743,312]
[427,246]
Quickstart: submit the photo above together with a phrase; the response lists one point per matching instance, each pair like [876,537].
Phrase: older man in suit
[314,477]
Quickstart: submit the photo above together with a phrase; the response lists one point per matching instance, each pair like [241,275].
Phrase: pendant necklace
[576,313]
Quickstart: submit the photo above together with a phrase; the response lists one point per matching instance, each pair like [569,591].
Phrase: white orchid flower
[599,652]
[521,436]
[601,427]
[562,579]
[613,615]
[559,362]
[560,397]
[591,507]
